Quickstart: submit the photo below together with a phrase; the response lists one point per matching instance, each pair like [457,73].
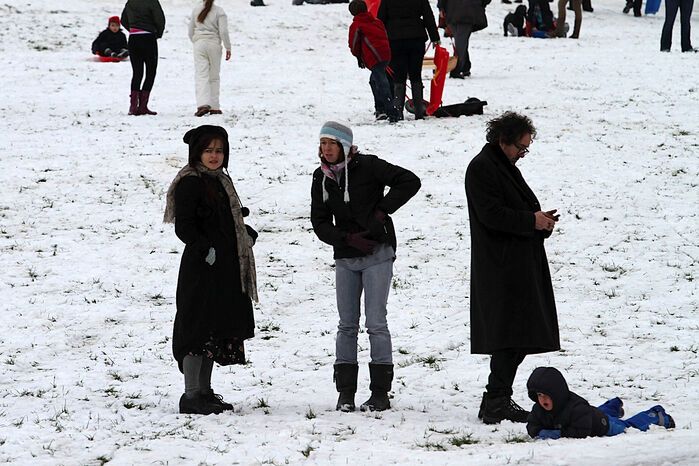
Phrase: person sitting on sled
[368,42]
[540,21]
[558,412]
[112,41]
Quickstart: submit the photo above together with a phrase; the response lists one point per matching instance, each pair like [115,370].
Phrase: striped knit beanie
[339,132]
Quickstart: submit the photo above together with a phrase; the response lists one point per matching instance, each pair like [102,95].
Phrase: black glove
[360,63]
[253,234]
[377,226]
[360,242]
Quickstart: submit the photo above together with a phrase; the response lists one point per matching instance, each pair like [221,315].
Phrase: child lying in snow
[558,412]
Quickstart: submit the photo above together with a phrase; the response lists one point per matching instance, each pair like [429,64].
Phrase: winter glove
[377,226]
[211,256]
[546,434]
[359,242]
[253,234]
[360,63]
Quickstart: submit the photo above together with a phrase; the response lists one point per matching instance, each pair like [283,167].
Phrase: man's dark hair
[357,6]
[509,128]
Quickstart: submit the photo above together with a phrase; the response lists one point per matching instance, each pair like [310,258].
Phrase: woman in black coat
[217,277]
[406,22]
[145,21]
[513,312]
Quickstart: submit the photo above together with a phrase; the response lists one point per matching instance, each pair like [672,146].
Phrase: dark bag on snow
[472,106]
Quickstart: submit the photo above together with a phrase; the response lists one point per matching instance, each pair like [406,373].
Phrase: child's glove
[211,256]
[546,434]
[360,63]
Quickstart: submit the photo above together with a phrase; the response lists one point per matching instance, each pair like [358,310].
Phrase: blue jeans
[671,7]
[381,88]
[371,275]
[641,421]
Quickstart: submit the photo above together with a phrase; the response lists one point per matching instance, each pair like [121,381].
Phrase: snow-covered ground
[88,271]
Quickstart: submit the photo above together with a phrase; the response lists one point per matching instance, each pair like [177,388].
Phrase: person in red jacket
[368,42]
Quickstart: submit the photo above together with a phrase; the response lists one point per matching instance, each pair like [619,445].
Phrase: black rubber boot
[381,378]
[345,377]
[500,408]
[399,102]
[418,103]
[198,405]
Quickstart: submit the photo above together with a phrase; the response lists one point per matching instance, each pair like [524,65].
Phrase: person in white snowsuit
[208,27]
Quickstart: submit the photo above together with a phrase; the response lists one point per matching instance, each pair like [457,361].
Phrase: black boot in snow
[345,377]
[501,408]
[198,405]
[418,103]
[217,400]
[381,378]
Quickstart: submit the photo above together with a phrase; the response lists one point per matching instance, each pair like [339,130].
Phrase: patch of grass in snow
[517,438]
[461,440]
[310,414]
[432,446]
[306,452]
[447,430]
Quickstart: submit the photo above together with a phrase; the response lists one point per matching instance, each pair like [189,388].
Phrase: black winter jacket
[109,40]
[512,302]
[368,178]
[146,15]
[571,413]
[210,300]
[465,12]
[408,19]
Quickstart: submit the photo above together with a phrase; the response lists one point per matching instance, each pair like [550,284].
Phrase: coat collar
[513,173]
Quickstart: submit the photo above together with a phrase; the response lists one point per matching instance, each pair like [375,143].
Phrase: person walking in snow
[671,7]
[208,27]
[217,278]
[558,412]
[463,18]
[513,312]
[369,43]
[350,212]
[406,22]
[145,22]
[112,41]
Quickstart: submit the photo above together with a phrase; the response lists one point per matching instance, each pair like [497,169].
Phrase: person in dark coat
[463,18]
[558,412]
[685,8]
[513,312]
[145,22]
[350,212]
[369,43]
[514,23]
[112,41]
[217,278]
[406,22]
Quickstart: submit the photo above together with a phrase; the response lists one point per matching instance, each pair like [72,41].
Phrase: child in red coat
[368,42]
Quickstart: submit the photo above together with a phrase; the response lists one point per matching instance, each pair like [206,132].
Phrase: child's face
[545,401]
[114,27]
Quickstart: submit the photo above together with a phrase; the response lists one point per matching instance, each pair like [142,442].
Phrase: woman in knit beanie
[350,212]
[217,278]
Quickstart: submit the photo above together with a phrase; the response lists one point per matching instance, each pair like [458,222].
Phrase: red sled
[110,59]
[441,63]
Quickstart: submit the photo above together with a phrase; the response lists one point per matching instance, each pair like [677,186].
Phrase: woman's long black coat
[512,303]
[210,301]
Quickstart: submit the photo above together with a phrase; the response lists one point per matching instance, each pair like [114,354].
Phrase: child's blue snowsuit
[641,421]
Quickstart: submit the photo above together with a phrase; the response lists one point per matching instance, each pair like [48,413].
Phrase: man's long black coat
[512,303]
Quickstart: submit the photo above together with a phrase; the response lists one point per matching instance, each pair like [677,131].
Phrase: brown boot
[201,111]
[133,106]
[143,104]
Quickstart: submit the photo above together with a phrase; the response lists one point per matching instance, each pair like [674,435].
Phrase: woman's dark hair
[357,6]
[509,128]
[207,8]
[197,147]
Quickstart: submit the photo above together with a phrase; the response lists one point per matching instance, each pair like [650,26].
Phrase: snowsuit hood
[549,381]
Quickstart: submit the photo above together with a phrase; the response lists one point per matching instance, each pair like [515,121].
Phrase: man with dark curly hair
[513,312]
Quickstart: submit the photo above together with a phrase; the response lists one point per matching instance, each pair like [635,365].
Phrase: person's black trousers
[143,49]
[671,7]
[406,60]
[503,368]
